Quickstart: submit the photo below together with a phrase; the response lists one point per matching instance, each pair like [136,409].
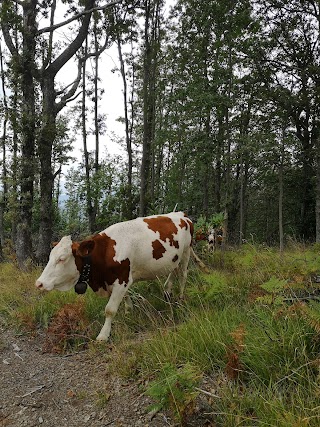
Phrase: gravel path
[41,389]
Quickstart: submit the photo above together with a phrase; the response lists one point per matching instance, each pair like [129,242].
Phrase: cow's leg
[118,292]
[168,284]
[128,306]
[183,267]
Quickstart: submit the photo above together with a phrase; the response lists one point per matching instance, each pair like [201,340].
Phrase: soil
[73,390]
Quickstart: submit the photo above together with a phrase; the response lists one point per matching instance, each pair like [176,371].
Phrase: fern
[174,389]
[274,285]
[311,315]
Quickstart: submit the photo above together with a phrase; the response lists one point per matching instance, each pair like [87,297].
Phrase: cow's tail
[198,261]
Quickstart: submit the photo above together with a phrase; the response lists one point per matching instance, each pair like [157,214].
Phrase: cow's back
[154,245]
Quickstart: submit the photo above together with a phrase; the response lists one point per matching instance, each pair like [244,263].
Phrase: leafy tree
[288,62]
[40,59]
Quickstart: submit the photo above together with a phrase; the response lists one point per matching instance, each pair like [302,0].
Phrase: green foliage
[174,389]
[274,285]
[260,405]
[216,220]
[203,224]
[261,355]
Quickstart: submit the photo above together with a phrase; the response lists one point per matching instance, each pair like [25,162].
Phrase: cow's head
[65,262]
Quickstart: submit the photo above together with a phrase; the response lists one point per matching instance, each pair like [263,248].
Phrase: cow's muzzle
[39,284]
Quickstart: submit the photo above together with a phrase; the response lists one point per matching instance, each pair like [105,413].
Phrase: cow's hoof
[101,339]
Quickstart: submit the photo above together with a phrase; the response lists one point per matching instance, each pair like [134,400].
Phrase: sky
[111,103]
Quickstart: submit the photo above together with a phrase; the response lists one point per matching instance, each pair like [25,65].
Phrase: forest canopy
[220,116]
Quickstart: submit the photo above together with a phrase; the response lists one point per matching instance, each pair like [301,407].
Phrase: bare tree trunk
[241,209]
[46,139]
[14,206]
[281,235]
[3,201]
[129,210]
[96,97]
[151,39]
[90,210]
[318,191]
[27,165]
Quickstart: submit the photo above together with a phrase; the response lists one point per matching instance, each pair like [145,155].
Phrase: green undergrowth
[251,327]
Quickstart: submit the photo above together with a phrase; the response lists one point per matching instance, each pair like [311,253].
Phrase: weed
[254,320]
[174,389]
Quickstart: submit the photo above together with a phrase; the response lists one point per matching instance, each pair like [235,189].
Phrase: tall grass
[247,326]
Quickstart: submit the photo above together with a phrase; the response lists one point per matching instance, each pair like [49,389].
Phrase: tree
[152,36]
[288,62]
[52,102]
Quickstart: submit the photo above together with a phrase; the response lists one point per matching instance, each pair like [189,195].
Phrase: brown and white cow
[140,249]
[215,238]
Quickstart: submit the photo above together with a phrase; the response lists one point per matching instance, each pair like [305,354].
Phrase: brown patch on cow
[200,235]
[165,227]
[86,247]
[191,229]
[158,249]
[104,269]
[175,258]
[183,224]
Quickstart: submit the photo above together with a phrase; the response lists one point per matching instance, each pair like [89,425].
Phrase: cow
[215,238]
[109,262]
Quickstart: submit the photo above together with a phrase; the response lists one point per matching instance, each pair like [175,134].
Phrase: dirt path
[39,389]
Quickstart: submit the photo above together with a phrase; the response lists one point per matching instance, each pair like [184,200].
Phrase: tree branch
[79,15]
[100,51]
[67,97]
[49,55]
[73,47]
[20,2]
[7,38]
[56,173]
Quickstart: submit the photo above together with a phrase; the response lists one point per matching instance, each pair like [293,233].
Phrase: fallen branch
[37,388]
[207,393]
[309,298]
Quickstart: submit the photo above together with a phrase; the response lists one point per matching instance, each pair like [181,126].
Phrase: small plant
[67,328]
[175,390]
[274,285]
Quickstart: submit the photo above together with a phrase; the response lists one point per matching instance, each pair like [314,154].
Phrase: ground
[74,390]
[71,390]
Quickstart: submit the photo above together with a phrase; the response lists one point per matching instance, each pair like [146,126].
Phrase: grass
[252,326]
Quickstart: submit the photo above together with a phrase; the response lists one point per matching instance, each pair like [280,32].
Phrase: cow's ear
[53,244]
[85,247]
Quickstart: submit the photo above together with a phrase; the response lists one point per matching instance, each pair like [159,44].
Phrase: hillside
[242,349]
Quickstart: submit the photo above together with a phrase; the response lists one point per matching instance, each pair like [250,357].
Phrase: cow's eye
[61,260]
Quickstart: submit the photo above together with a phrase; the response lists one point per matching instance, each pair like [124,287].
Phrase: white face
[61,271]
[211,235]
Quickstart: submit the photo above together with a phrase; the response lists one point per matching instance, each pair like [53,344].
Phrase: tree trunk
[129,208]
[50,109]
[90,210]
[307,202]
[3,201]
[46,139]
[318,192]
[281,235]
[95,202]
[27,165]
[151,39]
